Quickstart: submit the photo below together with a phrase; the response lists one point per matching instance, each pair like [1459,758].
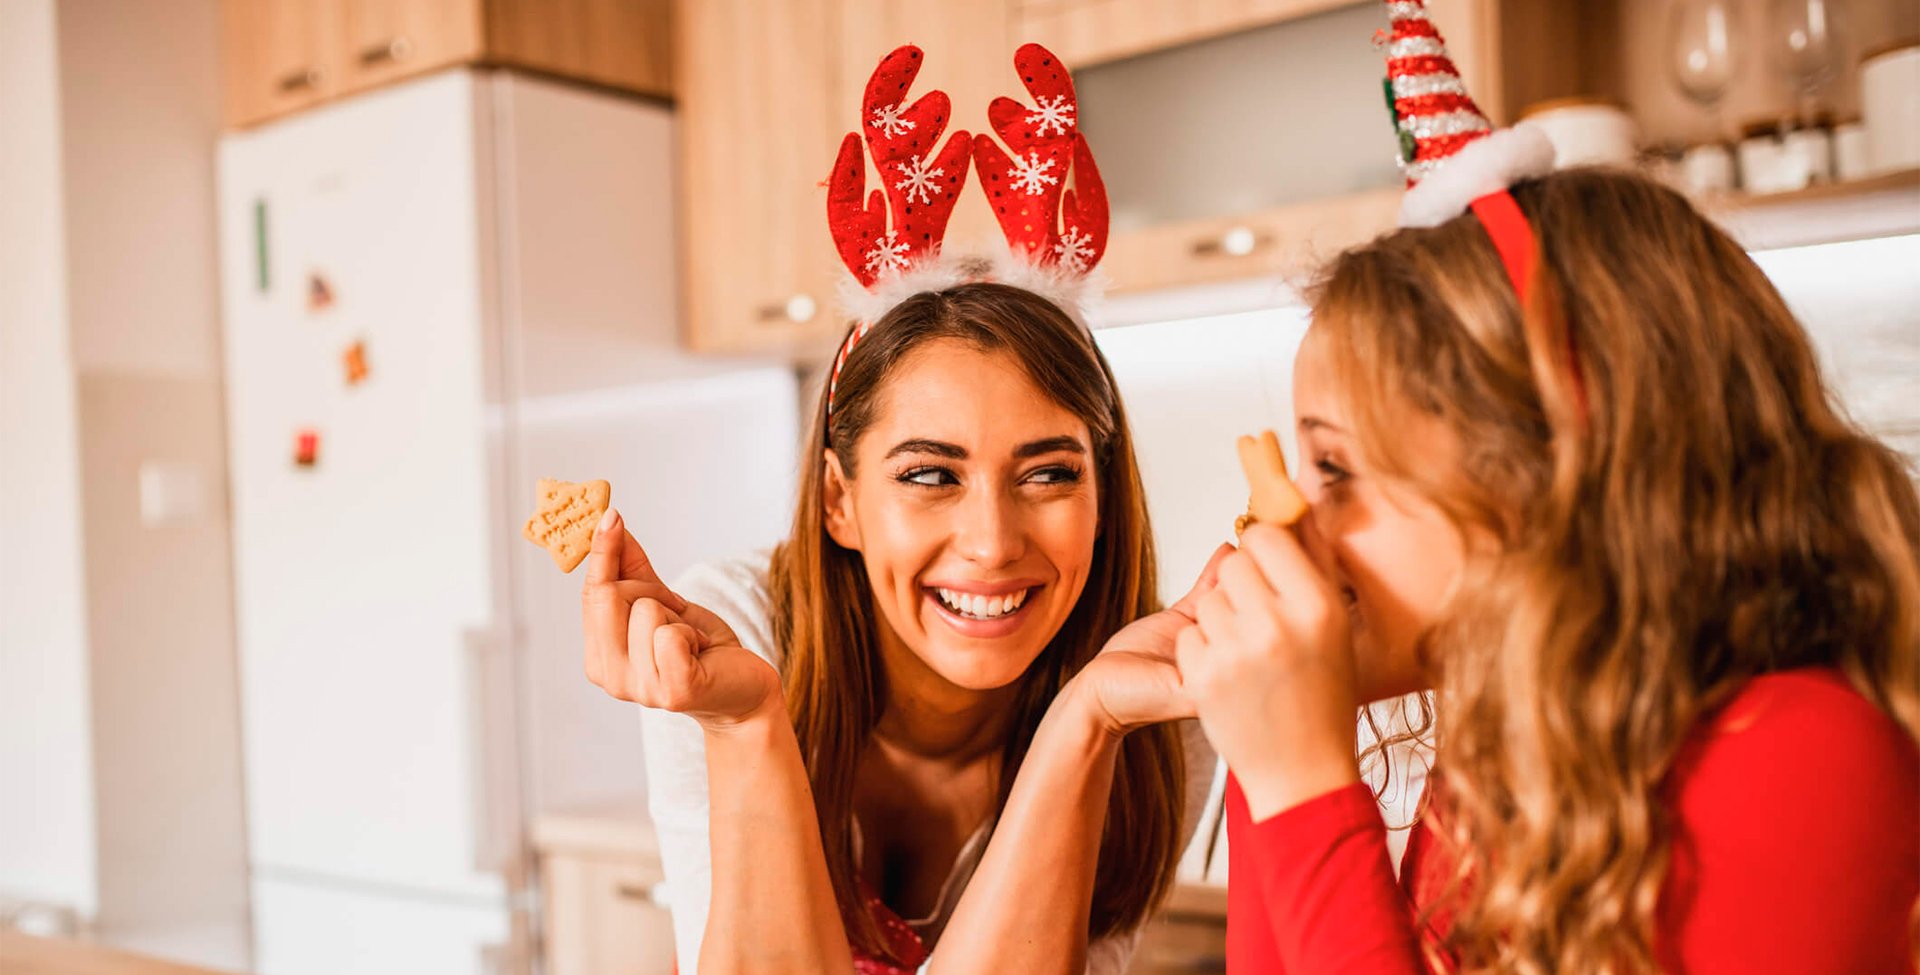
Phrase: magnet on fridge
[319,292]
[355,361]
[306,448]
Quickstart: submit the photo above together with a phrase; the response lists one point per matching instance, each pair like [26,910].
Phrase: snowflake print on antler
[1028,180]
[1055,113]
[887,119]
[901,223]
[1030,174]
[1073,251]
[918,181]
[890,254]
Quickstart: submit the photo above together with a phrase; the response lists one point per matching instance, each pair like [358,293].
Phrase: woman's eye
[1055,475]
[929,477]
[1330,472]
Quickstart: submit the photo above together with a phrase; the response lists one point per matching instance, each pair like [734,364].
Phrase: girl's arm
[1026,907]
[772,907]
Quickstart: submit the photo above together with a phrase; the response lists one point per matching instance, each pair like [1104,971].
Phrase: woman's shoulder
[1802,739]
[735,588]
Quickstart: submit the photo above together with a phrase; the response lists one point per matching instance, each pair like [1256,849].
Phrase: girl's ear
[836,494]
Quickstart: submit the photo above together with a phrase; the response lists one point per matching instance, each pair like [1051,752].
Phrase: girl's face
[1393,553]
[974,509]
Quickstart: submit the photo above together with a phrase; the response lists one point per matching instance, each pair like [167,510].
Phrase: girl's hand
[1270,669]
[1134,682]
[647,645]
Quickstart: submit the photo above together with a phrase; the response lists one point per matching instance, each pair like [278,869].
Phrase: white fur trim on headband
[1074,293]
[1483,166]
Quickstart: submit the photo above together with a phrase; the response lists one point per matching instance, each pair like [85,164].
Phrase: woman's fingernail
[607,520]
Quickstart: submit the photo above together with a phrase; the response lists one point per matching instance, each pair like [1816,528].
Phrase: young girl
[903,738]
[1667,599]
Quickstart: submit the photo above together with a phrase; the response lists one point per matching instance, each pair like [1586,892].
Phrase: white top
[736,591]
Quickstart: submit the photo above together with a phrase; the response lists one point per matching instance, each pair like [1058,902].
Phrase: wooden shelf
[1286,241]
[1880,206]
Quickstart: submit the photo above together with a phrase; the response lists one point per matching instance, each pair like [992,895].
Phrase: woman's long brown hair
[825,617]
[1677,505]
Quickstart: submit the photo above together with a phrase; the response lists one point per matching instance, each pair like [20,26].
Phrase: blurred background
[299,297]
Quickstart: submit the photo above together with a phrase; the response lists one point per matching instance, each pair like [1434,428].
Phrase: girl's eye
[928,477]
[1055,475]
[1331,473]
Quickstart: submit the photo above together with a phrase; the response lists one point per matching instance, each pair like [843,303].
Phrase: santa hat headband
[892,244]
[1455,160]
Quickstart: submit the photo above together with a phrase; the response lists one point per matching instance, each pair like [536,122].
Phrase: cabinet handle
[302,80]
[396,50]
[654,895]
[799,308]
[1236,242]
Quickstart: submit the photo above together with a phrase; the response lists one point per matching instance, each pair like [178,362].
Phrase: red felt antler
[1025,188]
[920,185]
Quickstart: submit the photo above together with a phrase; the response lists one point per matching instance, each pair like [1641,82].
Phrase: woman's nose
[990,532]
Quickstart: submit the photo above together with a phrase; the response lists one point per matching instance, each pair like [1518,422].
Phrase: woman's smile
[983,611]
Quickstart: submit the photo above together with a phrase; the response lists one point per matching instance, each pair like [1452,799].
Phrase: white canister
[1890,106]
[1850,154]
[1766,164]
[1585,131]
[1812,148]
[1707,168]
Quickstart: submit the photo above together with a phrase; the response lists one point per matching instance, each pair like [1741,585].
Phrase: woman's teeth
[981,607]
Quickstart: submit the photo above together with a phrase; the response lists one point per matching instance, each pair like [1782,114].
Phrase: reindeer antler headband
[1028,190]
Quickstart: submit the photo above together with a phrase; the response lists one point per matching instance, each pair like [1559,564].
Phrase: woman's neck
[929,717]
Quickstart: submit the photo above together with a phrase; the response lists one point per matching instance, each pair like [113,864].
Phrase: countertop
[22,954]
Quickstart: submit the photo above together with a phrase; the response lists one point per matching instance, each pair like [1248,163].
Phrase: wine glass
[1804,44]
[1702,39]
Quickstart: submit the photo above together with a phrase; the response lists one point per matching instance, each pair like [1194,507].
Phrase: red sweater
[1796,811]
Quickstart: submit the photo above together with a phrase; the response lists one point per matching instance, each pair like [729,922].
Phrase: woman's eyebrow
[1315,423]
[1050,445]
[936,447]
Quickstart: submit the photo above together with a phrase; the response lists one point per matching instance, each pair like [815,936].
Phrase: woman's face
[974,507]
[1393,553]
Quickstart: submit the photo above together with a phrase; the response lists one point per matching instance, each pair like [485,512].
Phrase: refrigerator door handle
[492,719]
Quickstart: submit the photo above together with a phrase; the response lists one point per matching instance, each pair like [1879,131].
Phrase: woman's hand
[647,645]
[1133,681]
[1269,667]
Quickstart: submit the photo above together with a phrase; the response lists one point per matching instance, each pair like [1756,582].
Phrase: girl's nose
[989,532]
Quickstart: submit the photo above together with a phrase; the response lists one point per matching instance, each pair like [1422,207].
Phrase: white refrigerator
[434,294]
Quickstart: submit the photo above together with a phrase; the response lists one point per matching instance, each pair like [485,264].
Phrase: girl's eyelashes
[1331,474]
[927,477]
[1056,474]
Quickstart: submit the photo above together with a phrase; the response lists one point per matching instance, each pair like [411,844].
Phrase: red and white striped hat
[1451,154]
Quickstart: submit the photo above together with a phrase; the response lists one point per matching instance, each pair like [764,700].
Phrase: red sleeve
[1797,837]
[1323,875]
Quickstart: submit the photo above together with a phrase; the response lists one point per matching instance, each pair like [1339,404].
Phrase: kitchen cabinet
[285,55]
[766,92]
[1084,32]
[605,900]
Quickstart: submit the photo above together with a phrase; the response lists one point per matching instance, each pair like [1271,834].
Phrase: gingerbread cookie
[1272,499]
[565,519]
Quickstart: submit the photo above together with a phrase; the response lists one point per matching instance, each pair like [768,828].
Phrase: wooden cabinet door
[388,39]
[760,120]
[601,917]
[280,55]
[1087,32]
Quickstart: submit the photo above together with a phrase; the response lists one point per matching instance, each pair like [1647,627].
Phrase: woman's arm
[1026,907]
[772,908]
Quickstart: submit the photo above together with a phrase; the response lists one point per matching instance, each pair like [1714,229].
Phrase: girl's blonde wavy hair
[1676,504]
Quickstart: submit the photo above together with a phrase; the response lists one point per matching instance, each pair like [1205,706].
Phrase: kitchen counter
[22,954]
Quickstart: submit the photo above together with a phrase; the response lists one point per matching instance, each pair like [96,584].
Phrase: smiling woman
[937,749]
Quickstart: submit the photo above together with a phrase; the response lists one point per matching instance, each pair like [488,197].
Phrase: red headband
[1513,238]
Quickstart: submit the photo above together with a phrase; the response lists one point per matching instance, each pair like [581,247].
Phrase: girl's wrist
[771,715]
[1275,783]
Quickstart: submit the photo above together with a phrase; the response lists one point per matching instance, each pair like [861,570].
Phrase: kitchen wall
[46,785]
[130,361]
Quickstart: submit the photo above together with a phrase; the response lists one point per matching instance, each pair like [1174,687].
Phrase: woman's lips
[979,629]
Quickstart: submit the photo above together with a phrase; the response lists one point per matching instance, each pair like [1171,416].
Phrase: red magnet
[319,293]
[306,448]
